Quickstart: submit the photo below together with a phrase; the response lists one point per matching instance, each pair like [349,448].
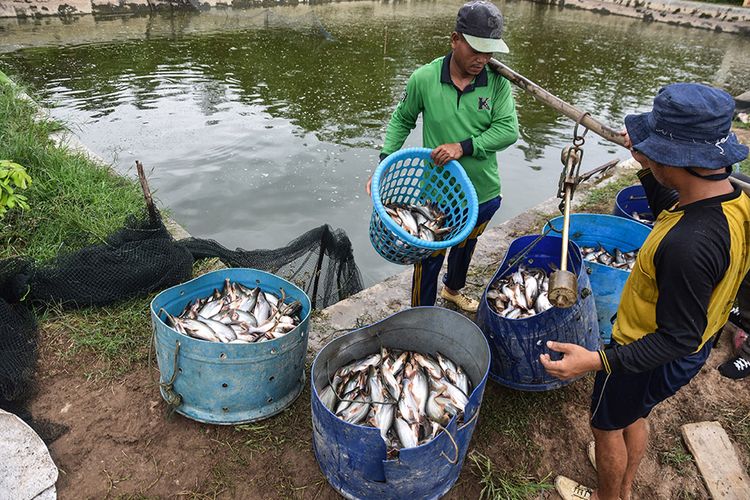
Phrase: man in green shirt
[468,115]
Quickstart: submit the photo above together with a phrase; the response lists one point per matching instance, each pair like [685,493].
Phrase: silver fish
[328,397]
[454,393]
[542,303]
[262,311]
[383,418]
[409,223]
[211,308]
[199,330]
[222,331]
[407,434]
[389,380]
[462,381]
[429,365]
[435,410]
[357,411]
[531,290]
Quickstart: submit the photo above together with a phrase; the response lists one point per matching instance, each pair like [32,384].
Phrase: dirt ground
[120,444]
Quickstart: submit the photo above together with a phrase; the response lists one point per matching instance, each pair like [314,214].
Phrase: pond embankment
[715,17]
[710,16]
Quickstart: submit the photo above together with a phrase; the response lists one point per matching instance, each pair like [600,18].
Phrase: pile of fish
[617,259]
[238,315]
[644,217]
[520,295]
[426,222]
[408,395]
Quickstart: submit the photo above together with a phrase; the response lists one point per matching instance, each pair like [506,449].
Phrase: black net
[139,259]
[320,262]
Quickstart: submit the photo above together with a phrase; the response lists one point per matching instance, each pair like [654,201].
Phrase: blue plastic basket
[410,176]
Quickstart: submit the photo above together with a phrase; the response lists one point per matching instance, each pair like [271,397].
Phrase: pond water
[260,124]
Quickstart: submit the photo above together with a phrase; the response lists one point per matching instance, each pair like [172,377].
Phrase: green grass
[602,199]
[745,167]
[499,486]
[117,336]
[73,201]
[677,458]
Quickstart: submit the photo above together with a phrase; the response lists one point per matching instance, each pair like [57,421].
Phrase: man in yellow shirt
[682,287]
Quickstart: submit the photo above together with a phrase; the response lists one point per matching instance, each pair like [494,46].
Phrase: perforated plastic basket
[409,176]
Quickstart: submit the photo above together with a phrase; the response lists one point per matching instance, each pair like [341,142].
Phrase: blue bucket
[516,344]
[229,383]
[410,176]
[592,230]
[353,457]
[633,199]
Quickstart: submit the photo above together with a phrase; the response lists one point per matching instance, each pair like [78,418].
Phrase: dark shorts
[619,399]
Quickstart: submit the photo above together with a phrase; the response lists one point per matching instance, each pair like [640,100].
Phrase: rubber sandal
[461,300]
[591,452]
[571,490]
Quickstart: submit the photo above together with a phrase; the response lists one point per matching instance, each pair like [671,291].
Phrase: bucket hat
[481,24]
[689,126]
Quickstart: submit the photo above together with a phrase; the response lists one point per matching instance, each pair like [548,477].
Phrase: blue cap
[689,126]
[481,24]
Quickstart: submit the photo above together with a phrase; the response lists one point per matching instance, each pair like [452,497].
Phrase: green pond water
[260,124]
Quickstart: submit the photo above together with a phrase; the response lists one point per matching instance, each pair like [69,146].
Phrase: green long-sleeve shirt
[482,119]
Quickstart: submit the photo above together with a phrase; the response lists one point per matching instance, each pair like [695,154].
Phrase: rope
[173,399]
[455,446]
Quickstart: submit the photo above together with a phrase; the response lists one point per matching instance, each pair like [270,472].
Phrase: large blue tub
[229,383]
[631,200]
[353,457]
[516,344]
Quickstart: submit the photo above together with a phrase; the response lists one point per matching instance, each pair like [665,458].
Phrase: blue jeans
[424,279]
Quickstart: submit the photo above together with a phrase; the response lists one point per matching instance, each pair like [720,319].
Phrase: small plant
[499,486]
[676,457]
[12,178]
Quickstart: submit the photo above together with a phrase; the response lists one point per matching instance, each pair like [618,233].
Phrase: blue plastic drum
[610,232]
[516,344]
[229,383]
[632,200]
[353,457]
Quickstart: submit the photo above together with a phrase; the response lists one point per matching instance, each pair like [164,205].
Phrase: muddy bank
[715,17]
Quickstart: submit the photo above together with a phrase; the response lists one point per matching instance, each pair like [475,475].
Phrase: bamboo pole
[572,112]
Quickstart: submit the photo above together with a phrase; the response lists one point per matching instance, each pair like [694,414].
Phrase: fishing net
[320,262]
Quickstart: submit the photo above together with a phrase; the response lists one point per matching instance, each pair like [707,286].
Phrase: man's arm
[503,130]
[404,118]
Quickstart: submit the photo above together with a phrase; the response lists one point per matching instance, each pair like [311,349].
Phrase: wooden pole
[146,192]
[572,112]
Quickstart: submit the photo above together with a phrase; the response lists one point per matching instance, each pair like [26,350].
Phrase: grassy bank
[73,201]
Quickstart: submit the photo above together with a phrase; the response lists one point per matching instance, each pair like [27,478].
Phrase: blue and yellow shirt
[684,281]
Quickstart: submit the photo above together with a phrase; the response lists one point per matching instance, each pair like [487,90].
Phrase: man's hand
[446,152]
[368,186]
[576,361]
[628,142]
